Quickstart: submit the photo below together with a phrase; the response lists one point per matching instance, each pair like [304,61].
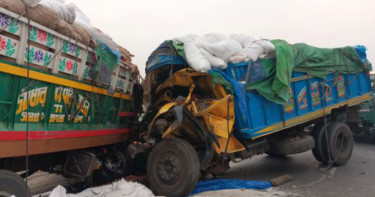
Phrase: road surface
[356,178]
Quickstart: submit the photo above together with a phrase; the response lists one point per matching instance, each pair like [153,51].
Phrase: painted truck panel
[305,102]
[53,100]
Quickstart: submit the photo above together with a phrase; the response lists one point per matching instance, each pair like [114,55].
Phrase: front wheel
[173,168]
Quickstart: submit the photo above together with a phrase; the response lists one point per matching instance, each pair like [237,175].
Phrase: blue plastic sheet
[115,52]
[255,72]
[239,94]
[220,184]
[361,51]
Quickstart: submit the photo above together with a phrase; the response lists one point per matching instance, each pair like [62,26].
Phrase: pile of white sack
[215,50]
[120,188]
[71,14]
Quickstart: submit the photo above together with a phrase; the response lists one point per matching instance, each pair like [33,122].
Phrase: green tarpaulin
[303,58]
[107,58]
[105,65]
[179,47]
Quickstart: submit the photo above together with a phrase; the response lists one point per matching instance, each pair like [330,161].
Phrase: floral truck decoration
[53,88]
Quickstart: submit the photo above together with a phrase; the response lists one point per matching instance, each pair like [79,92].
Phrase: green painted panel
[55,108]
[31,99]
[5,99]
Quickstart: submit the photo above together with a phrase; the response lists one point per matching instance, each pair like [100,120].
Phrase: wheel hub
[168,168]
[114,162]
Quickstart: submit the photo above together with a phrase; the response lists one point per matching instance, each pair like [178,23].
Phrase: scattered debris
[133,178]
[275,182]
[246,192]
[118,188]
[225,184]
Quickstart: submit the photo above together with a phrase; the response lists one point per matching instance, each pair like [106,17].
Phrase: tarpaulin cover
[219,184]
[105,56]
[167,53]
[301,57]
[105,65]
[232,87]
[361,51]
[179,47]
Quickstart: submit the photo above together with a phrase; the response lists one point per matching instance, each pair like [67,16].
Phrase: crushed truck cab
[197,122]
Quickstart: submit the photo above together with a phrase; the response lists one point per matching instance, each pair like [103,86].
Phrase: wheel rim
[169,168]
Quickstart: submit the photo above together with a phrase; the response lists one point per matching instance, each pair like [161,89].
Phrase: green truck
[55,107]
[366,117]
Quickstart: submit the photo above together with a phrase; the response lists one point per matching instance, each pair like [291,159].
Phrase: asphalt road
[356,178]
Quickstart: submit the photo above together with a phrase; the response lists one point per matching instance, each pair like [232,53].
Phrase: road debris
[275,182]
[118,188]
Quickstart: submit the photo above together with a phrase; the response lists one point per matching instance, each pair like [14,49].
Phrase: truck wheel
[320,150]
[340,141]
[12,185]
[173,168]
[291,145]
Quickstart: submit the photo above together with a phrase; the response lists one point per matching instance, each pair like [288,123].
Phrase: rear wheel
[12,185]
[320,149]
[173,168]
[291,145]
[340,141]
[333,143]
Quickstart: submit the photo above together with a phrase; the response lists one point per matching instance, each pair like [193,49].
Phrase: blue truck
[196,123]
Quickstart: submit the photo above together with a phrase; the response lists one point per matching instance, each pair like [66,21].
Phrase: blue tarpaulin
[361,51]
[220,184]
[239,94]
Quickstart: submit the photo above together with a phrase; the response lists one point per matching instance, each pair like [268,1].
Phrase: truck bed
[310,98]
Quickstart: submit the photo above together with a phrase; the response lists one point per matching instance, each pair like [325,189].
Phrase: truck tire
[12,185]
[320,150]
[340,142]
[291,145]
[173,168]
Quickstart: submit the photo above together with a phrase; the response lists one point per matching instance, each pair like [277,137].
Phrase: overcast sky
[141,25]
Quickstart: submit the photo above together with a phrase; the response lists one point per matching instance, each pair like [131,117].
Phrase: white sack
[66,12]
[253,51]
[120,188]
[243,39]
[187,38]
[225,49]
[215,37]
[240,57]
[258,49]
[81,19]
[201,43]
[215,62]
[195,58]
[267,46]
[31,3]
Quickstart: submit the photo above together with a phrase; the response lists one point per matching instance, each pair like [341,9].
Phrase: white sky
[141,25]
